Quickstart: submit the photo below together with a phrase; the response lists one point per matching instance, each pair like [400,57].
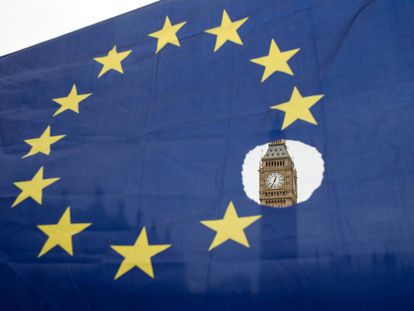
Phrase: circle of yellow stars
[231,227]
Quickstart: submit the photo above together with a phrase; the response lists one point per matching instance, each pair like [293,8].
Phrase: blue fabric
[162,146]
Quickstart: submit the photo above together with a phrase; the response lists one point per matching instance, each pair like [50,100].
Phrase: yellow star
[112,61]
[298,107]
[138,255]
[61,234]
[231,227]
[275,61]
[227,31]
[70,102]
[33,188]
[42,144]
[167,34]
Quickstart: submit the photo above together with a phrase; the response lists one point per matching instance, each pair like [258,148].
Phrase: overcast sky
[24,23]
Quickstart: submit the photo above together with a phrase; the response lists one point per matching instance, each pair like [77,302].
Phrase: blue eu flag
[124,149]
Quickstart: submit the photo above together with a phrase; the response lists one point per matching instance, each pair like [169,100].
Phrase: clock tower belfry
[277,177]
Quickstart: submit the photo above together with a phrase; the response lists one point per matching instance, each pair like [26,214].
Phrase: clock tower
[278,179]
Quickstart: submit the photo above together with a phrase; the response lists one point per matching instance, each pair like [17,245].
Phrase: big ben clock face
[274,180]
